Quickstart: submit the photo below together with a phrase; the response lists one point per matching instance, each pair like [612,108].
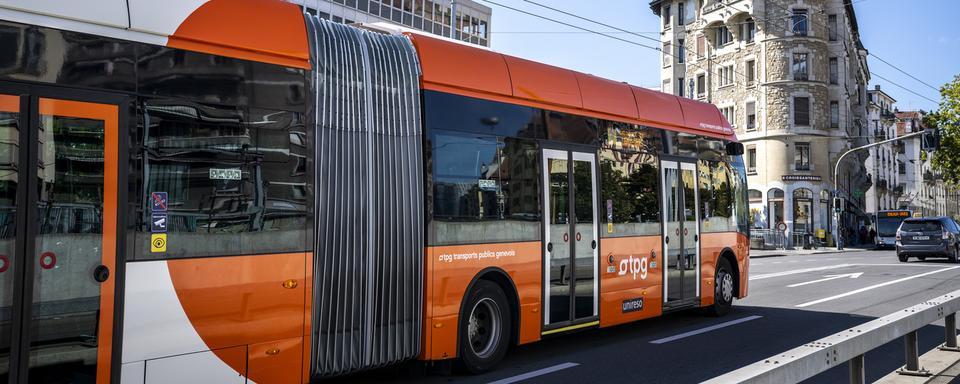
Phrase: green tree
[947,119]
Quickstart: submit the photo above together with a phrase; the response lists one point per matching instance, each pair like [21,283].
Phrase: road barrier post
[950,332]
[858,373]
[912,368]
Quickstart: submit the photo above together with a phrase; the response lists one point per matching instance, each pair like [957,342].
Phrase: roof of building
[470,71]
[909,115]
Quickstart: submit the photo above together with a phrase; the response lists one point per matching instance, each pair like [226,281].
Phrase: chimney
[878,87]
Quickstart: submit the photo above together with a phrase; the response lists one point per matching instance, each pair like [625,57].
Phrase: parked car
[928,237]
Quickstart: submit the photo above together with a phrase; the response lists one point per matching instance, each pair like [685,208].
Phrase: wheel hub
[725,286]
[483,327]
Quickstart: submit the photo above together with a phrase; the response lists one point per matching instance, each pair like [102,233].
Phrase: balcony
[879,134]
[899,188]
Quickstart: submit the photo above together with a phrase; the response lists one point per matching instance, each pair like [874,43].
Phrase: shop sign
[801,178]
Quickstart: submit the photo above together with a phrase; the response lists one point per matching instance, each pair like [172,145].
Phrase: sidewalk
[759,254]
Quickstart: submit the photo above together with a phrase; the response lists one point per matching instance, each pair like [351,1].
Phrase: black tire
[903,258]
[953,256]
[922,258]
[485,328]
[723,289]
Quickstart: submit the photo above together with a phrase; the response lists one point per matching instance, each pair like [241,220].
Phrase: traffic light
[838,204]
[931,140]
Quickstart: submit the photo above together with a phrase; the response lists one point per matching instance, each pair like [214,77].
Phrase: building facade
[924,191]
[791,76]
[884,163]
[472,19]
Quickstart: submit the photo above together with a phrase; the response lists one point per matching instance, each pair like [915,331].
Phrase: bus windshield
[889,221]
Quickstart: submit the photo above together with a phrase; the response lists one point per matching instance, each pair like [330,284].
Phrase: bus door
[570,238]
[681,233]
[58,236]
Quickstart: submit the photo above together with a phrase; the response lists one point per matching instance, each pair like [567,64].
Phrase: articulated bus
[229,191]
[888,222]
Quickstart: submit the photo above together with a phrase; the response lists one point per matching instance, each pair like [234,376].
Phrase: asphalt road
[793,300]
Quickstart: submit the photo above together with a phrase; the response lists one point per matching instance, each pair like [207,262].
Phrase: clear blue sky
[918,36]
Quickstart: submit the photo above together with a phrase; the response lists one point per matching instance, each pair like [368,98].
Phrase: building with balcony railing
[883,161]
[464,20]
[791,77]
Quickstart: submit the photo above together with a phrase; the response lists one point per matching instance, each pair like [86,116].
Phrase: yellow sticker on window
[158,242]
[609,227]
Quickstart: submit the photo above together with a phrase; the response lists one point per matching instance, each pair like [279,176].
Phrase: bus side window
[234,180]
[630,193]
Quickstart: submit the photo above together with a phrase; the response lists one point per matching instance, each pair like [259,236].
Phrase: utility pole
[836,178]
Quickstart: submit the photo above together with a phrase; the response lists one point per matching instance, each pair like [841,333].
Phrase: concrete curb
[797,253]
[943,366]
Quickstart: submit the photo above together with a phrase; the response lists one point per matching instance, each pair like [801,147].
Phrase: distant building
[432,16]
[791,76]
[884,164]
[924,191]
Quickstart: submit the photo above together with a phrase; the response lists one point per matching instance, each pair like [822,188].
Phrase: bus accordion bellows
[237,191]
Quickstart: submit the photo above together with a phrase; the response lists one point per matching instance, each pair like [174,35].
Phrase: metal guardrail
[771,237]
[851,345]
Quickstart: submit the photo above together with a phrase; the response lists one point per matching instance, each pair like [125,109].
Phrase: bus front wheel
[723,288]
[484,327]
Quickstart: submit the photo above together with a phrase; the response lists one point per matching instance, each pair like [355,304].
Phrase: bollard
[912,368]
[857,372]
[950,333]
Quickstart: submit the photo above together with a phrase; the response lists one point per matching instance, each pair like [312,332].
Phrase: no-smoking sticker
[158,242]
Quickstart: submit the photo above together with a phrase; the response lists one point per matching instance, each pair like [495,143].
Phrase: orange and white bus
[228,191]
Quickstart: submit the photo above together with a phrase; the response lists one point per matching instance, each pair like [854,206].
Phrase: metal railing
[851,345]
[772,238]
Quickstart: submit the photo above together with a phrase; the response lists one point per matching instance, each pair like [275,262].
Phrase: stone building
[791,76]
[432,16]
[884,164]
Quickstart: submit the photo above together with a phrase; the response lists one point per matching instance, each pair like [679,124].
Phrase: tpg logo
[634,265]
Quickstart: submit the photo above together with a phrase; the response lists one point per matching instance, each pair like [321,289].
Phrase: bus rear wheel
[723,289]
[484,328]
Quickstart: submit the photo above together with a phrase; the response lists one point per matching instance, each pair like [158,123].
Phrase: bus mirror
[734,149]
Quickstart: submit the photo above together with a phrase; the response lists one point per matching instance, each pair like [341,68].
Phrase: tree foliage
[947,119]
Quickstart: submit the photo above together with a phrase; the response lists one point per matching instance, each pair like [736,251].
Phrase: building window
[723,36]
[680,87]
[748,31]
[834,114]
[666,53]
[681,13]
[832,27]
[800,71]
[728,114]
[681,51]
[751,72]
[726,75]
[752,159]
[801,111]
[666,16]
[751,116]
[834,71]
[701,85]
[799,22]
[801,156]
[701,46]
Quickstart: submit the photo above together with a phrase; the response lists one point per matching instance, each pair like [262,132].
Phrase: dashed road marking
[705,330]
[539,372]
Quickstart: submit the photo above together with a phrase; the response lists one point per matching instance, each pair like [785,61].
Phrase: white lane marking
[827,278]
[796,271]
[704,330]
[539,372]
[875,286]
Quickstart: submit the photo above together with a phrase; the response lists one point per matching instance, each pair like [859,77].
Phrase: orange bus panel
[544,83]
[457,65]
[259,30]
[242,300]
[607,96]
[630,268]
[703,117]
[658,107]
[276,362]
[451,269]
[9,103]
